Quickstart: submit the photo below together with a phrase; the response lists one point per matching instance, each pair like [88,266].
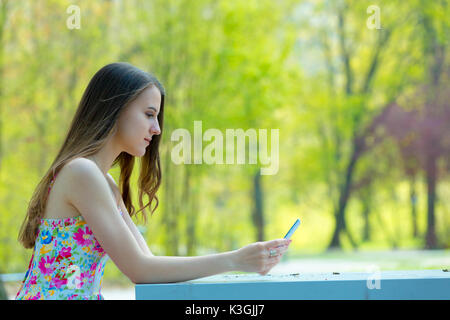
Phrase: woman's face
[139,122]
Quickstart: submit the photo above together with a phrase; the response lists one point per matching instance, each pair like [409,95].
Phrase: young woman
[86,219]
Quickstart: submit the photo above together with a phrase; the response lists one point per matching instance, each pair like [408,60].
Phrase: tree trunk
[169,216]
[339,226]
[365,213]
[437,52]
[413,198]
[258,213]
[190,203]
[430,238]
[345,189]
[343,200]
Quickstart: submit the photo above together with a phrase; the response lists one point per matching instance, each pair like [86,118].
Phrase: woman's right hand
[256,257]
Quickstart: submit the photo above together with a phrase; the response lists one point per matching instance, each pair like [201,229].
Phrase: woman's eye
[149,115]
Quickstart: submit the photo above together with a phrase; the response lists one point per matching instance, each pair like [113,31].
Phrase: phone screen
[292,229]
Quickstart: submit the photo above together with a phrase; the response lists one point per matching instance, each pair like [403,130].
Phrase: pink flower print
[98,247]
[84,277]
[93,266]
[58,283]
[33,280]
[83,236]
[36,297]
[66,252]
[93,269]
[45,265]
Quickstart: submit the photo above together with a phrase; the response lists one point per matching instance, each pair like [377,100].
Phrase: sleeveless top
[67,262]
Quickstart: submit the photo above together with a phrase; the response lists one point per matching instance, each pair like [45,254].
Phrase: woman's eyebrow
[152,108]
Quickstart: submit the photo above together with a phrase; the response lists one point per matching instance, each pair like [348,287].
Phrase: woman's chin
[138,152]
[144,150]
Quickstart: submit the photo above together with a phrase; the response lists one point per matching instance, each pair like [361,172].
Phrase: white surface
[119,294]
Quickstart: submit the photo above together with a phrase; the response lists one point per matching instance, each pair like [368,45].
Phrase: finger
[277,242]
[273,253]
[284,246]
[276,249]
[273,260]
[279,250]
[274,256]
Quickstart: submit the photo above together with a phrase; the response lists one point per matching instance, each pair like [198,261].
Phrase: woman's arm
[164,269]
[126,216]
[90,195]
[135,231]
[251,258]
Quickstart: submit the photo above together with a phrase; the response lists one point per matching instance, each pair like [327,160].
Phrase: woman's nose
[155,129]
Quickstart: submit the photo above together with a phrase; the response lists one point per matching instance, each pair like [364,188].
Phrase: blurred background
[359,91]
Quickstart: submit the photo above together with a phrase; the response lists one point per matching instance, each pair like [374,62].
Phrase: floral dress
[67,262]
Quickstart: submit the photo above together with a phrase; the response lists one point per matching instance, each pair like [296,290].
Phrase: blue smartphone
[292,229]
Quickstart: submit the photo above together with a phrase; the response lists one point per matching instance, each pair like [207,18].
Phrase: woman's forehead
[150,97]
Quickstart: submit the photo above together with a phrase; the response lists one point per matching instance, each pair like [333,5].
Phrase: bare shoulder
[78,169]
[84,180]
[82,171]
[65,183]
[81,165]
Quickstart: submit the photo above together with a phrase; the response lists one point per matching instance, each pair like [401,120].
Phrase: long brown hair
[110,90]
